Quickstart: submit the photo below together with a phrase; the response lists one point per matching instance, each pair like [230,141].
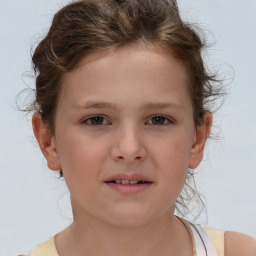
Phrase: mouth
[128,184]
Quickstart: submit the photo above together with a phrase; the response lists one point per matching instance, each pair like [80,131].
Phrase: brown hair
[93,26]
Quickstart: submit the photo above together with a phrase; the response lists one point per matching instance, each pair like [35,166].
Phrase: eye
[95,121]
[161,120]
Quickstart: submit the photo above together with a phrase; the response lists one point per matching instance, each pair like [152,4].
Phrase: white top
[203,243]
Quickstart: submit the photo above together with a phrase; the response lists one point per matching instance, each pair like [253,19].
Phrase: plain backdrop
[35,203]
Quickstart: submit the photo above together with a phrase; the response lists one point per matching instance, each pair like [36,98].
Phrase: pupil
[158,119]
[96,120]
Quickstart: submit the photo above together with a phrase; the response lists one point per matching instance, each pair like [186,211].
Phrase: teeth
[125,182]
[134,181]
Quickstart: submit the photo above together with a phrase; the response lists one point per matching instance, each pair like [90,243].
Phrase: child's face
[125,90]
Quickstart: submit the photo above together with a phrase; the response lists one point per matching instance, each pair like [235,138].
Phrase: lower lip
[129,188]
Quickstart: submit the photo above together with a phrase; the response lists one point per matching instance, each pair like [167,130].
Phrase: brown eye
[160,120]
[95,120]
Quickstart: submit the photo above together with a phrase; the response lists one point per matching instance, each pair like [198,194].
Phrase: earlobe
[201,134]
[46,142]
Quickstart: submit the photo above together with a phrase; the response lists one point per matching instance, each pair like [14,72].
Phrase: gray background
[34,203]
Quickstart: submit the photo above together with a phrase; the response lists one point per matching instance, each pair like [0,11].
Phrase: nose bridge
[129,144]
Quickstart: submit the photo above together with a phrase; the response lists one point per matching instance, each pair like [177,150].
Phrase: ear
[46,141]
[201,134]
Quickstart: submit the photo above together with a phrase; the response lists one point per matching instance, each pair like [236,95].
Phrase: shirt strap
[217,236]
[204,244]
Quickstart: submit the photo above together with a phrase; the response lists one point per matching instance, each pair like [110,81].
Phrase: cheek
[171,158]
[77,148]
[173,152]
[81,159]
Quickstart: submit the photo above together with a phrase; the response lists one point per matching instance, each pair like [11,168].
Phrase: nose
[128,145]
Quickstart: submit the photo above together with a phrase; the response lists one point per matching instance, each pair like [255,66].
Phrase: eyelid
[169,119]
[84,121]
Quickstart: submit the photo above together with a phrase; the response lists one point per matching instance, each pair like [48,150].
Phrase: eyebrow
[112,106]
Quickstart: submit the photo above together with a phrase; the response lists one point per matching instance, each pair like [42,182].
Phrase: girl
[122,112]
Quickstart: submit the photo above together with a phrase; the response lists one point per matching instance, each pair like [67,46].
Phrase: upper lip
[123,176]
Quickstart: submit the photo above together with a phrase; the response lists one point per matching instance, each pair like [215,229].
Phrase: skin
[126,140]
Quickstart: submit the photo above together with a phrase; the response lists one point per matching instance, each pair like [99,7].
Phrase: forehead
[143,70]
[142,55]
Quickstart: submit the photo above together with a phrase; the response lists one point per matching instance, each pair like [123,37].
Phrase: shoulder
[237,244]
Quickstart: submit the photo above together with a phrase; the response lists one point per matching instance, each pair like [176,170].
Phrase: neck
[127,240]
[89,236]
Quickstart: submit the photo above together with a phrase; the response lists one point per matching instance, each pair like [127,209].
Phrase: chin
[130,217]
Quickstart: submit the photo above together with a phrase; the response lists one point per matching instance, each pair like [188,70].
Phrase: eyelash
[169,121]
